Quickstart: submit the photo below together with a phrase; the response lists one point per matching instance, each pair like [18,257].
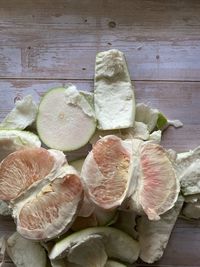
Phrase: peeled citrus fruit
[158,187]
[44,195]
[107,172]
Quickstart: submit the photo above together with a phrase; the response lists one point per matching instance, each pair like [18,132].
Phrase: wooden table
[48,43]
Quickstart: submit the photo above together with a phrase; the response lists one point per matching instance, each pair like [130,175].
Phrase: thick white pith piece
[117,244]
[114,99]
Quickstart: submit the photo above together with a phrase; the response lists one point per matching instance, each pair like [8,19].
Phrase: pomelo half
[107,172]
[44,194]
[65,121]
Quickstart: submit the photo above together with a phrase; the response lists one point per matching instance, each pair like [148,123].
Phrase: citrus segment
[52,210]
[19,170]
[106,172]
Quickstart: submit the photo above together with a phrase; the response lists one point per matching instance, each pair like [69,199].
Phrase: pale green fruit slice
[23,115]
[65,120]
[111,263]
[192,210]
[153,118]
[154,235]
[114,99]
[117,244]
[107,172]
[158,186]
[25,252]
[64,263]
[4,208]
[77,164]
[192,198]
[90,252]
[138,131]
[12,140]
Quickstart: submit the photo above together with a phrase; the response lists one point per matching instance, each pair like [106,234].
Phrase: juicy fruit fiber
[65,121]
[106,172]
[52,211]
[19,170]
[158,186]
[117,244]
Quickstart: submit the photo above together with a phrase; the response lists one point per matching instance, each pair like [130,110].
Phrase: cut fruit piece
[111,263]
[51,210]
[81,223]
[77,164]
[139,131]
[126,222]
[154,235]
[192,210]
[4,208]
[89,96]
[90,252]
[20,169]
[117,244]
[65,113]
[12,140]
[25,252]
[153,118]
[107,172]
[114,99]
[155,137]
[23,115]
[158,187]
[187,167]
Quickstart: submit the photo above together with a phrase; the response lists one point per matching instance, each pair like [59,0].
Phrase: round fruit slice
[107,172]
[158,186]
[65,120]
[52,209]
[20,169]
[117,244]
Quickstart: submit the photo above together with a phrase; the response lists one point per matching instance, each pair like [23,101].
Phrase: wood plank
[177,100]
[48,40]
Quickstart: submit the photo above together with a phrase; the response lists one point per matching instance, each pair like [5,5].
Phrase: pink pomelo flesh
[19,170]
[112,161]
[44,216]
[159,187]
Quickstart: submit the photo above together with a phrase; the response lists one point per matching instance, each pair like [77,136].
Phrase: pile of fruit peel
[117,204]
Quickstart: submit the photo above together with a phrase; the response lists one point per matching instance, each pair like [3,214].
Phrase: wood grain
[160,38]
[47,43]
